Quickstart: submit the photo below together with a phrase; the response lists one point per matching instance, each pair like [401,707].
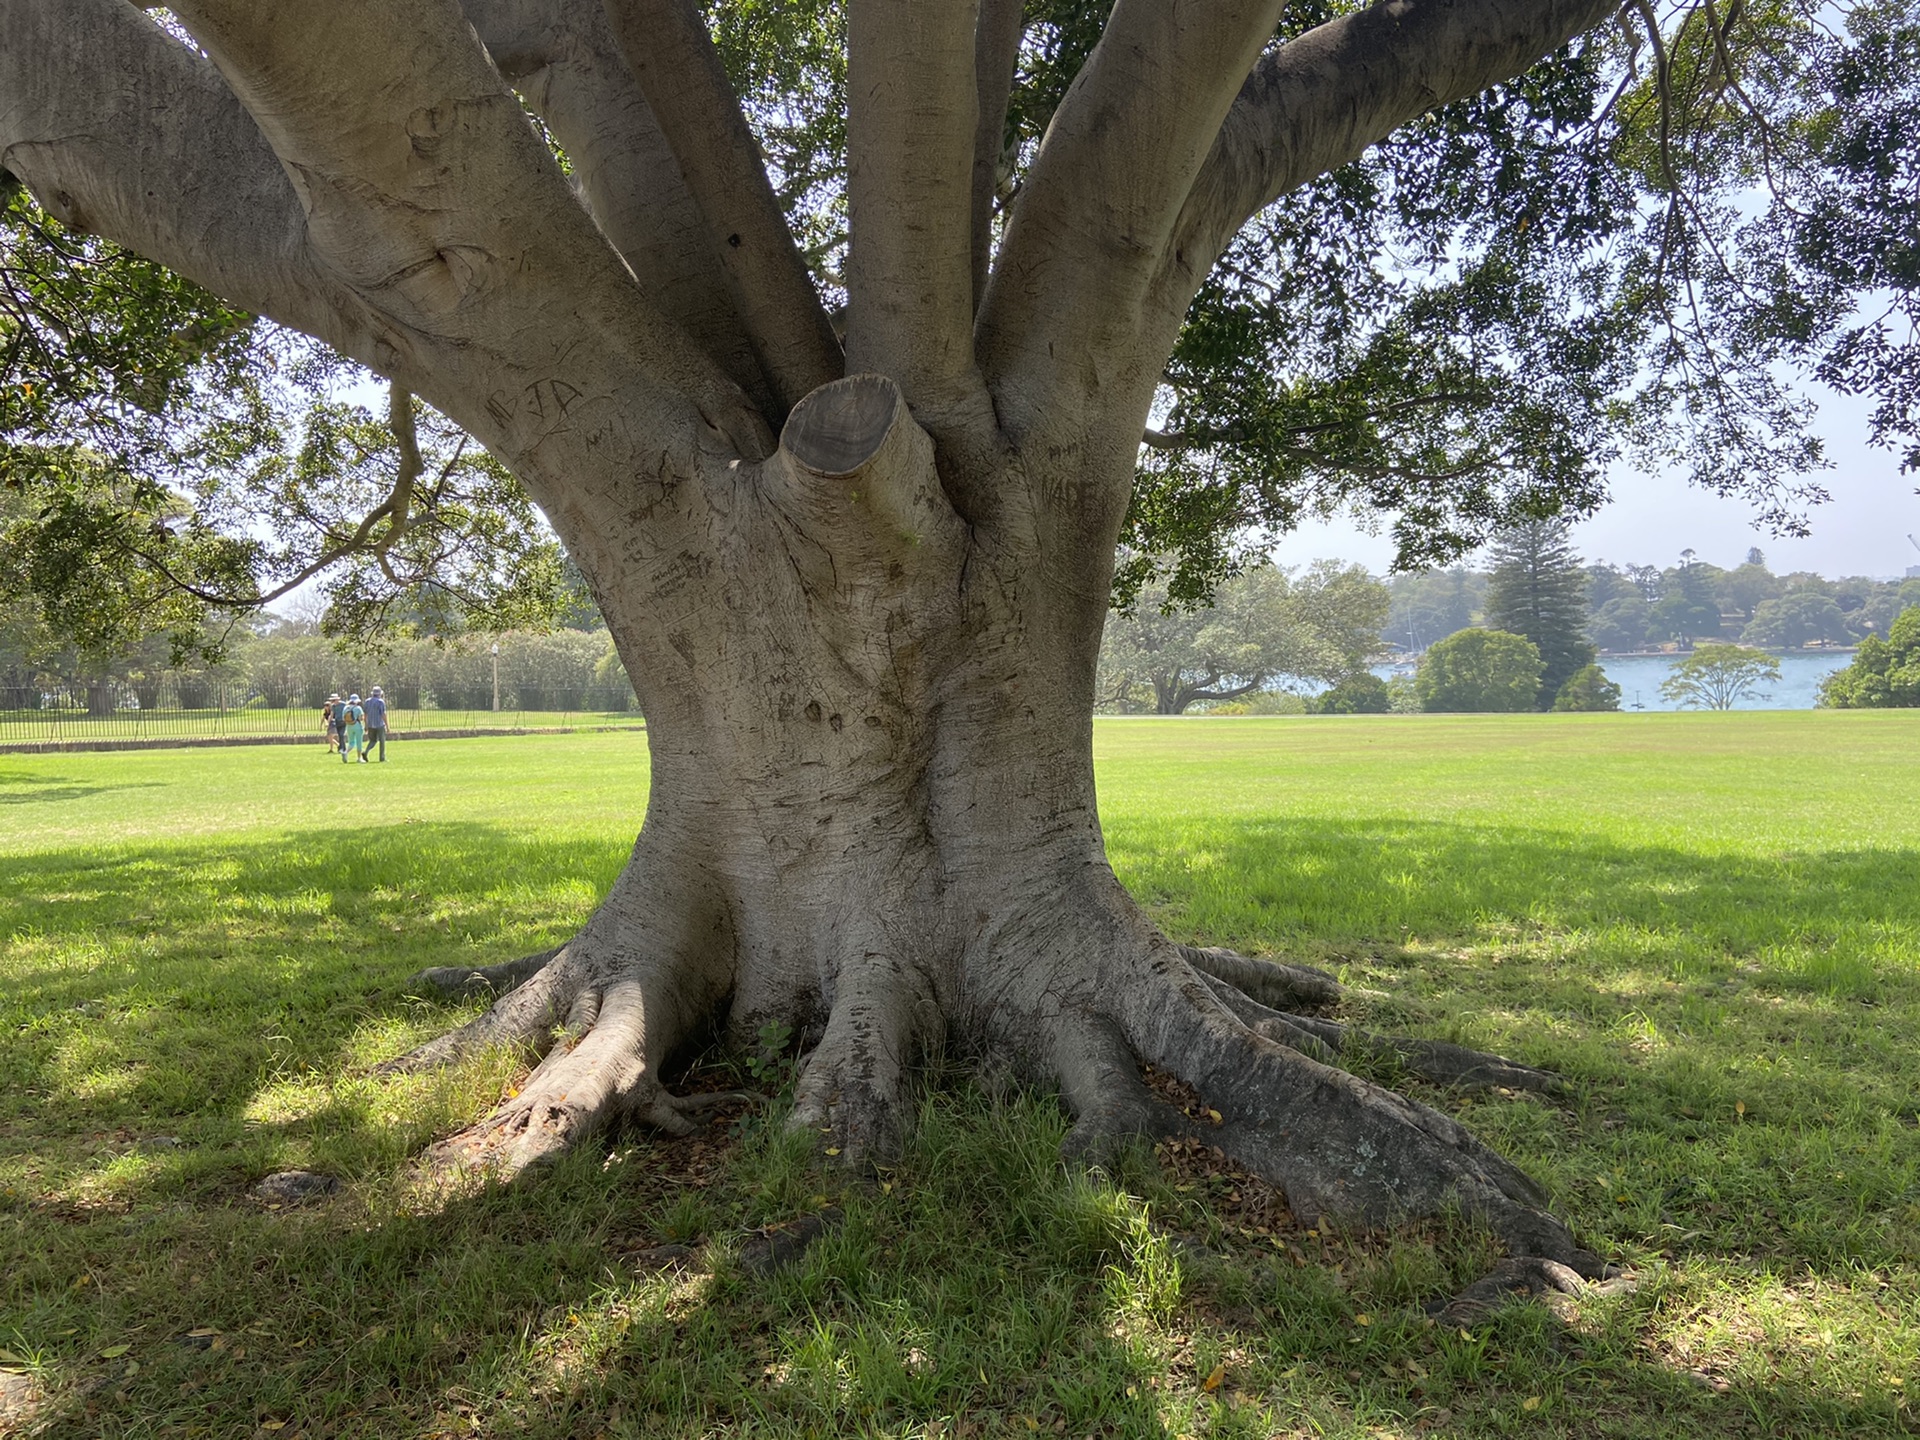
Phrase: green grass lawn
[1709,923]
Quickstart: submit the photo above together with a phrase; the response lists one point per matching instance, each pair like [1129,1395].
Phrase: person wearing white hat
[356,724]
[330,721]
[376,708]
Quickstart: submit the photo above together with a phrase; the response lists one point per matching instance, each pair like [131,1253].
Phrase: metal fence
[192,707]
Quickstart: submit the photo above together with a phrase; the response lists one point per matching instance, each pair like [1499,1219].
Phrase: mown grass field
[1710,923]
[70,727]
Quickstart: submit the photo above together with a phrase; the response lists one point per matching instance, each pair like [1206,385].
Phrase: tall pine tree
[1538,589]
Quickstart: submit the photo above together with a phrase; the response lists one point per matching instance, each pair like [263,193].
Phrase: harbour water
[1639,677]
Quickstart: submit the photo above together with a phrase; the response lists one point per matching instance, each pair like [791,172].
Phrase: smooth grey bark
[563,60]
[912,109]
[669,51]
[866,650]
[996,51]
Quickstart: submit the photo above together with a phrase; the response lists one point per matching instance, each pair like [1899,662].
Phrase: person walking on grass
[376,708]
[330,721]
[356,724]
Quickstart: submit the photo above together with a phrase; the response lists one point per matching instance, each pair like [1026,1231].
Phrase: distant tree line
[1525,633]
[565,669]
[559,670]
[1626,608]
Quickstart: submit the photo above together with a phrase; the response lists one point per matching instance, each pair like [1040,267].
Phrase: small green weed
[771,1065]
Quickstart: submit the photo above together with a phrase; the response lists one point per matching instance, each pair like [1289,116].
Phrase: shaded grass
[1712,927]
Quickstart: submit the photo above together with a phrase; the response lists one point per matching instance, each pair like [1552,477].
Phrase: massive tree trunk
[866,650]
[873,821]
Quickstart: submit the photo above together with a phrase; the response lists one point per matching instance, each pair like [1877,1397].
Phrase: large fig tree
[842,442]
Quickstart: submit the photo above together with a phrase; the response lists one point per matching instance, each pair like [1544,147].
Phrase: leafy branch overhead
[169,460]
[1459,329]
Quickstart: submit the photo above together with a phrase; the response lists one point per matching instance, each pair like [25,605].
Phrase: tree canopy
[1265,625]
[1718,677]
[1480,669]
[1458,330]
[1361,693]
[1802,618]
[1537,589]
[1588,688]
[1884,674]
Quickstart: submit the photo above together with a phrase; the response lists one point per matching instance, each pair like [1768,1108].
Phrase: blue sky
[1652,518]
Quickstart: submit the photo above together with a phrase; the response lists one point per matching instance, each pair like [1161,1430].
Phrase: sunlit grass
[1711,924]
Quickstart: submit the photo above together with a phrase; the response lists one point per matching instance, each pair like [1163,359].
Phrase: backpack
[353,715]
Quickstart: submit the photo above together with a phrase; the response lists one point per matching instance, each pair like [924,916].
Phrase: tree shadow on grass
[1576,931]
[975,1283]
[978,1290]
[26,787]
[151,988]
[1362,883]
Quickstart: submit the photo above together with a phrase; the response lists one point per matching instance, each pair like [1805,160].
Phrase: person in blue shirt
[376,708]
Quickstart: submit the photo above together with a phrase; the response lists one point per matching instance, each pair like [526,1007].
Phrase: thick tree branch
[670,53]
[1176,441]
[996,51]
[1322,99]
[399,504]
[911,112]
[121,131]
[1086,236]
[1195,437]
[563,60]
[1206,691]
[397,510]
[430,195]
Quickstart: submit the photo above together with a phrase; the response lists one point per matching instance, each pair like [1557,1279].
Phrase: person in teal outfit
[356,730]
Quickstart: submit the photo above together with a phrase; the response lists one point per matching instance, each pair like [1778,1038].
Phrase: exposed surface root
[1251,1213]
[779,1247]
[461,981]
[1101,1083]
[1522,1277]
[594,1075]
[850,1092]
[1271,982]
[1256,1070]
[1337,1145]
[523,1018]
[1439,1062]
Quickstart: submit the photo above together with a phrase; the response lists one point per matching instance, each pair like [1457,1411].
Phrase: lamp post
[496,675]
